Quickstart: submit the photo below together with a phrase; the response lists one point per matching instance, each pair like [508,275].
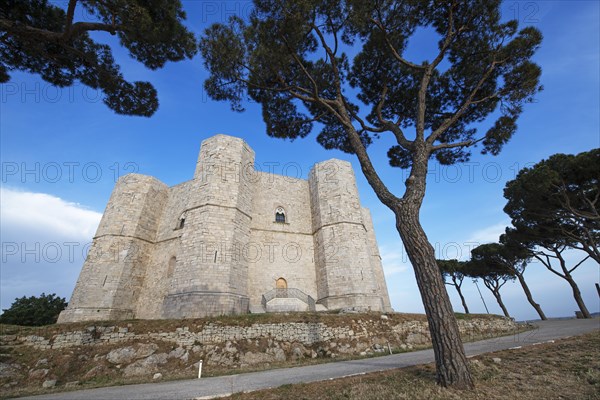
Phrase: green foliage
[297,59]
[454,269]
[495,264]
[556,203]
[494,261]
[42,38]
[34,311]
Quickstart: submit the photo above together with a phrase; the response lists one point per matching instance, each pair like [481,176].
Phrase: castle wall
[345,277]
[212,278]
[172,212]
[375,259]
[280,250]
[113,274]
[164,255]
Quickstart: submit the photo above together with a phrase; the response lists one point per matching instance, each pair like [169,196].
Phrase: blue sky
[62,150]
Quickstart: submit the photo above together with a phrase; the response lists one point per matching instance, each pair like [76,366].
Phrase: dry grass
[567,369]
[146,326]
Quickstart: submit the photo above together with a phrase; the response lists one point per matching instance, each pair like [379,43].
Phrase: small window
[280,215]
[180,222]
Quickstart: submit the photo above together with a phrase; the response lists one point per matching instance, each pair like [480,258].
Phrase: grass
[566,369]
[146,326]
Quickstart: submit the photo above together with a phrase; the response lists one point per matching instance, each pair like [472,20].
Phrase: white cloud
[394,261]
[488,234]
[44,241]
[44,213]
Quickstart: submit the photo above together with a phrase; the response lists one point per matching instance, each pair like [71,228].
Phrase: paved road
[223,385]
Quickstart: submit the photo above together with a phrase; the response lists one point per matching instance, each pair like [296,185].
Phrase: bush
[34,311]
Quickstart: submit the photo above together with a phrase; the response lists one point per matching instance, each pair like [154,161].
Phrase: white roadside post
[200,369]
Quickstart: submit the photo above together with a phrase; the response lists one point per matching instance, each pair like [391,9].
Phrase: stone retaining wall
[143,351]
[307,333]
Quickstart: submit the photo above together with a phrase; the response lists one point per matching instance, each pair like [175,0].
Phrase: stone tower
[217,226]
[231,240]
[112,277]
[347,275]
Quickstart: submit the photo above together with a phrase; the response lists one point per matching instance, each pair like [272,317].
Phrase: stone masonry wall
[280,250]
[375,258]
[155,350]
[363,329]
[113,274]
[345,275]
[212,279]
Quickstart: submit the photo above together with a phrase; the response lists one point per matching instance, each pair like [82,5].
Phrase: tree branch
[395,53]
[389,125]
[422,103]
[303,67]
[334,30]
[578,264]
[566,203]
[362,123]
[80,27]
[382,192]
[547,264]
[336,72]
[468,102]
[465,143]
[69,21]
[504,280]
[9,26]
[75,30]
[342,114]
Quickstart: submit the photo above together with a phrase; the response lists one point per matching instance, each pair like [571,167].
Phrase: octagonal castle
[231,240]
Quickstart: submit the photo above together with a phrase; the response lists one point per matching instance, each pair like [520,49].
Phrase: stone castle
[231,240]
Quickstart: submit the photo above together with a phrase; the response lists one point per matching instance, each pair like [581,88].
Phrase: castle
[231,240]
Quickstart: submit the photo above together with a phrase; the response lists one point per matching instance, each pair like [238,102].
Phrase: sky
[62,151]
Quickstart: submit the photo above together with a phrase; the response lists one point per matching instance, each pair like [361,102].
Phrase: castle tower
[375,259]
[113,273]
[212,277]
[345,275]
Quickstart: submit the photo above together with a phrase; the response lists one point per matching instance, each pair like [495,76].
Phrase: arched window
[280,215]
[171,268]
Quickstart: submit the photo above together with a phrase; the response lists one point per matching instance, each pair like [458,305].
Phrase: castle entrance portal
[281,284]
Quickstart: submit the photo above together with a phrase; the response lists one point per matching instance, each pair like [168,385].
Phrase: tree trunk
[452,367]
[577,296]
[462,298]
[495,289]
[535,305]
[501,303]
[451,362]
[569,278]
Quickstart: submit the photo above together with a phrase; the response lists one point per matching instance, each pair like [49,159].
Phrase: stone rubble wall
[116,353]
[409,333]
